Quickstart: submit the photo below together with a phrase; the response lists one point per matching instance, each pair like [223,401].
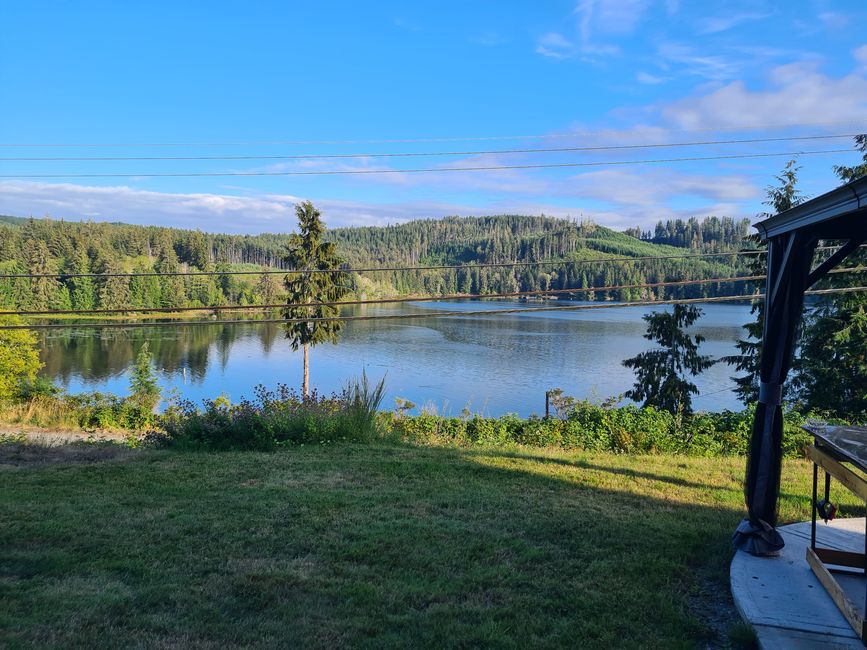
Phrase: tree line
[46,246]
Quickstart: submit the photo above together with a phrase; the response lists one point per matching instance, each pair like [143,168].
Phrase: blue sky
[577,74]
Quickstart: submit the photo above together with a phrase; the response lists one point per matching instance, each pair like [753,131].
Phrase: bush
[275,418]
[593,427]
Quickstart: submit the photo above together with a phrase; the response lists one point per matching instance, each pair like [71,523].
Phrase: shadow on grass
[364,546]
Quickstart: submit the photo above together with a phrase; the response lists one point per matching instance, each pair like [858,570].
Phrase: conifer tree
[779,198]
[143,382]
[662,373]
[307,256]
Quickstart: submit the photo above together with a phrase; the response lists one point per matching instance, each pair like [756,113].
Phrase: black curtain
[789,260]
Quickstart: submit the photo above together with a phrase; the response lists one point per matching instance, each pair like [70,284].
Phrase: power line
[576,134]
[432,314]
[393,269]
[659,145]
[388,269]
[386,301]
[350,172]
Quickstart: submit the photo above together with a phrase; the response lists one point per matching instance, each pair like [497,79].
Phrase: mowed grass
[371,546]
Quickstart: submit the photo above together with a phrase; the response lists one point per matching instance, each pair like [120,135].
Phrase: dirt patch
[712,603]
[27,454]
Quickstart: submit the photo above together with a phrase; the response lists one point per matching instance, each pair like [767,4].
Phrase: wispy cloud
[555,46]
[650,79]
[834,19]
[716,24]
[688,60]
[599,24]
[657,187]
[489,39]
[797,94]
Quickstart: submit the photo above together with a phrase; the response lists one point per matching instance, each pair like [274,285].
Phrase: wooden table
[842,453]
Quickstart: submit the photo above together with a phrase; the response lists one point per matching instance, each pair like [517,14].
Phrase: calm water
[491,364]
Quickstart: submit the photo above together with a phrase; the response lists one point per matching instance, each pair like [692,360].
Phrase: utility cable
[386,301]
[659,145]
[431,314]
[575,134]
[478,168]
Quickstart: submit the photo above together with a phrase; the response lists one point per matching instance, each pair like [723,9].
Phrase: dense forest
[574,253]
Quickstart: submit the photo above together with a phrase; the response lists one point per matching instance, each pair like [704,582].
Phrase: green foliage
[849,174]
[595,427]
[19,359]
[362,402]
[47,246]
[308,253]
[661,373]
[276,418]
[87,411]
[832,372]
[143,381]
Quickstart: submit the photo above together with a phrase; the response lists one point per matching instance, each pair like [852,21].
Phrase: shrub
[274,418]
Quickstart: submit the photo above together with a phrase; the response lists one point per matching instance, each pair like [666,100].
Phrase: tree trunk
[305,387]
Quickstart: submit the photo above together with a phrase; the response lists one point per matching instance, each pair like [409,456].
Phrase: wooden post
[547,400]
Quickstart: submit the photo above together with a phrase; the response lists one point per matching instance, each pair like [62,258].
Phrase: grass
[371,546]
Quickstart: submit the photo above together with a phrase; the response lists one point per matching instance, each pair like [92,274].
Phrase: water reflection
[495,363]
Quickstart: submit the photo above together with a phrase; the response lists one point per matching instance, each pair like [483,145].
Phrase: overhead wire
[350,172]
[434,139]
[395,269]
[385,301]
[657,145]
[384,269]
[430,314]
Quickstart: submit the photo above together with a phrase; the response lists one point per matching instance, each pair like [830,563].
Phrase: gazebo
[792,238]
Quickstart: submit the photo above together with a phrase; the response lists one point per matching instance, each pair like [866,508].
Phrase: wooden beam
[839,255]
[841,558]
[846,476]
[852,614]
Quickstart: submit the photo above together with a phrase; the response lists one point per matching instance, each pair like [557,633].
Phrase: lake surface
[491,364]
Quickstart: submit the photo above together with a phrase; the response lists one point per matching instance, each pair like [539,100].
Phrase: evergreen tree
[266,289]
[780,198]
[172,289]
[143,382]
[39,263]
[81,289]
[832,370]
[661,373]
[113,289]
[309,252]
[849,174]
[832,373]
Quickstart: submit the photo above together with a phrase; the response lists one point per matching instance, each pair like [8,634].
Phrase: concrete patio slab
[784,601]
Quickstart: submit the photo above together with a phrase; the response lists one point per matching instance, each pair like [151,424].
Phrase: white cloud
[231,213]
[649,79]
[797,94]
[718,24]
[714,67]
[555,45]
[598,22]
[656,187]
[860,55]
[834,20]
[609,17]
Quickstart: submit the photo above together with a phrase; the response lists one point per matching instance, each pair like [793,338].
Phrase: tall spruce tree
[832,371]
[661,374]
[849,174]
[308,255]
[780,197]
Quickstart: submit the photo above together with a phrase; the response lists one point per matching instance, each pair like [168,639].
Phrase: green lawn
[369,546]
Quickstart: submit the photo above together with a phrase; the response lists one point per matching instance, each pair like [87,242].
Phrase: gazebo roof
[823,214]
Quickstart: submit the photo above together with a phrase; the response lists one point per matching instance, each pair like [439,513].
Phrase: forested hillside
[45,246]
